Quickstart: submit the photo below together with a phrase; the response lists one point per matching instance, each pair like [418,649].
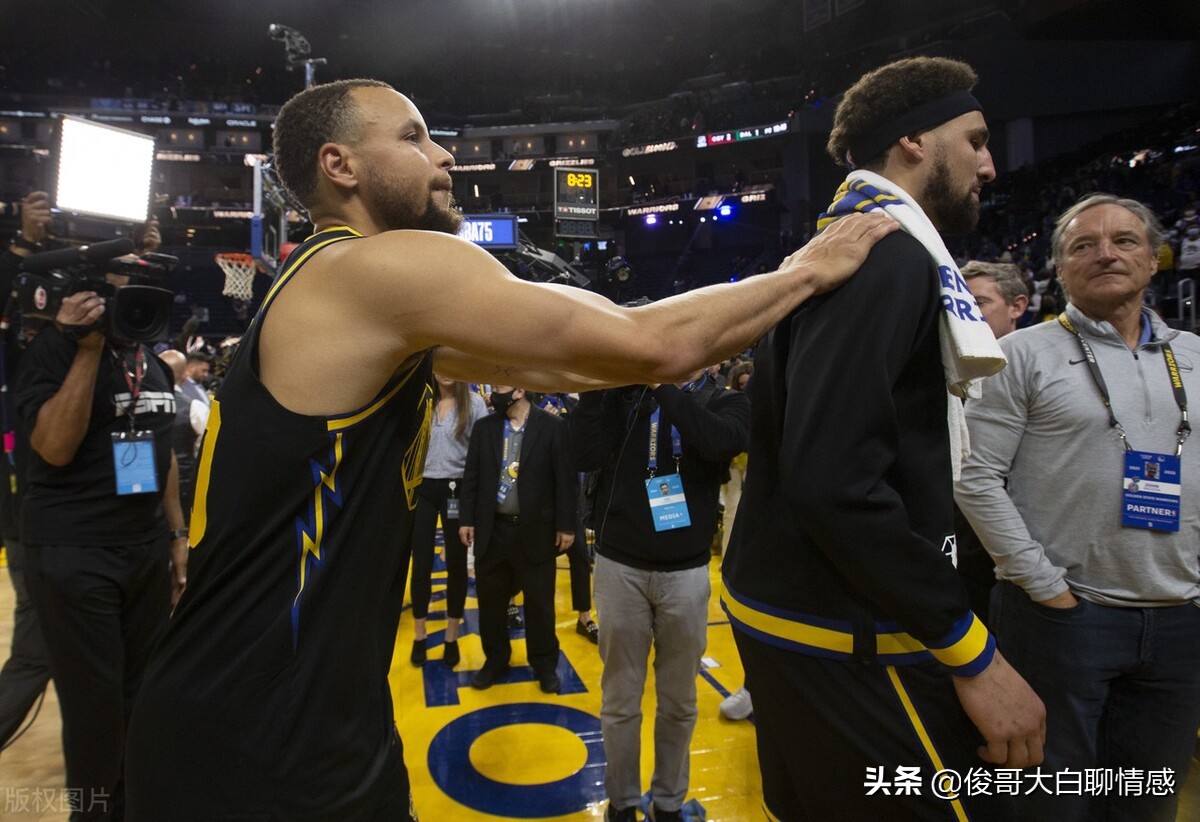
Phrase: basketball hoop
[239,275]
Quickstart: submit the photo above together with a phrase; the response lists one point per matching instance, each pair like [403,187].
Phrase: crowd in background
[1152,164]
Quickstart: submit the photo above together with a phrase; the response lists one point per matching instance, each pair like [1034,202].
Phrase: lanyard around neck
[133,378]
[1185,427]
[676,444]
[509,434]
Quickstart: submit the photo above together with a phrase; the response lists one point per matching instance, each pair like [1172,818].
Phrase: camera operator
[35,222]
[24,676]
[103,528]
[147,238]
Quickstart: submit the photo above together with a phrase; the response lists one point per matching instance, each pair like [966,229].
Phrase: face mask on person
[501,402]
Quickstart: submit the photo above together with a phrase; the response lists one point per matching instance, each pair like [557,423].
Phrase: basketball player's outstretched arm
[452,294]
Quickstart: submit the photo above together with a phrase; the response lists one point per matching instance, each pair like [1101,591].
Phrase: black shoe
[515,620]
[666,816]
[488,675]
[589,631]
[450,656]
[548,681]
[623,815]
[418,652]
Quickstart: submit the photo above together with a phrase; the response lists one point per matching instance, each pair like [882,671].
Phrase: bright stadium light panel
[104,171]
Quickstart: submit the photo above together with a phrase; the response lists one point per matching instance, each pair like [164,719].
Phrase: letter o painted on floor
[450,763]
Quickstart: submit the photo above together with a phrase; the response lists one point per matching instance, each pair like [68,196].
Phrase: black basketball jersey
[269,692]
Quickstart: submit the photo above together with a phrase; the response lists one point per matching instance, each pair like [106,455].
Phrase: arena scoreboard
[576,202]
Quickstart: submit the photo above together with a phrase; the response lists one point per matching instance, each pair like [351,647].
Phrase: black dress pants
[24,676]
[580,565]
[500,570]
[102,610]
[432,499]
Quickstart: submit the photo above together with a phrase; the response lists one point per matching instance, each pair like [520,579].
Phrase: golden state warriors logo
[414,457]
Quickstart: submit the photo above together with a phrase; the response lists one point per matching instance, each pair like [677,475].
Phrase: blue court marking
[719,688]
[450,763]
[712,680]
[470,620]
[442,684]
[468,626]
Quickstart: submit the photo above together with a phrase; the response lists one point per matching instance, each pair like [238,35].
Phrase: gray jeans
[636,608]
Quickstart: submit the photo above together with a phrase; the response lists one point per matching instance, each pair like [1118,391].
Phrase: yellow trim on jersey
[342,423]
[313,545]
[770,816]
[414,457]
[815,636]
[966,650]
[199,521]
[960,812]
[293,264]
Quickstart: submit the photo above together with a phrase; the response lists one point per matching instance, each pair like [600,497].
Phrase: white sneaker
[737,705]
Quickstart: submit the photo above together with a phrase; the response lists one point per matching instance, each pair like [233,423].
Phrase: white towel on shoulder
[969,349]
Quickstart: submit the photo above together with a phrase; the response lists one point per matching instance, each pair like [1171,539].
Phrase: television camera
[137,312]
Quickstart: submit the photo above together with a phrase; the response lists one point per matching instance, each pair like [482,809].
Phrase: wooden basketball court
[508,753]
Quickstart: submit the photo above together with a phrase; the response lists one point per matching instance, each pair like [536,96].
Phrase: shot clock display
[576,194]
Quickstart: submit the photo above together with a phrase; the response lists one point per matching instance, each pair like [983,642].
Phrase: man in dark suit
[518,507]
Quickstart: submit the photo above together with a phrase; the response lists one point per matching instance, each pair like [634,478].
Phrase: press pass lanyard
[676,444]
[133,379]
[134,464]
[509,433]
[1185,427]
[509,470]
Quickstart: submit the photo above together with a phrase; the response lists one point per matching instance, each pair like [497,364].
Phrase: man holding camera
[102,525]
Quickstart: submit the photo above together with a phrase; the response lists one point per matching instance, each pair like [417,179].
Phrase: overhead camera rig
[267,184]
[298,51]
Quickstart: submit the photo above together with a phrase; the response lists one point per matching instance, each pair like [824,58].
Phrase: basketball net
[239,275]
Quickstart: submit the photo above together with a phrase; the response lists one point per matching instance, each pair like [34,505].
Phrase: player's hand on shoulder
[837,252]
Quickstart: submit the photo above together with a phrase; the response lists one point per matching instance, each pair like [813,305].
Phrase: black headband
[871,143]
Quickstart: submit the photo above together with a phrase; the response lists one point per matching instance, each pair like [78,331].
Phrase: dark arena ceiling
[645,86]
[459,58]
